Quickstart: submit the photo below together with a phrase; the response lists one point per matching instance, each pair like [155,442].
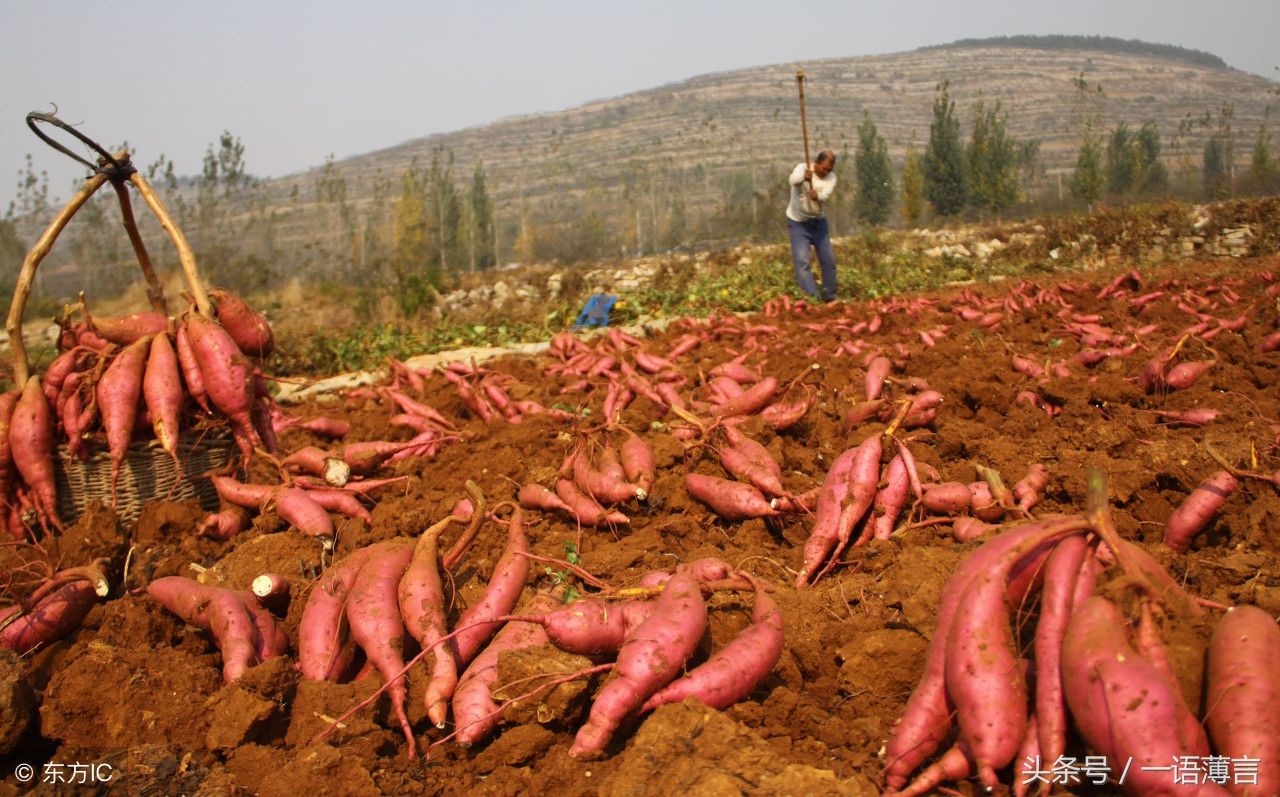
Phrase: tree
[875,174]
[1150,174]
[1214,168]
[444,215]
[1086,182]
[1262,166]
[993,161]
[1121,166]
[480,226]
[945,181]
[411,263]
[912,188]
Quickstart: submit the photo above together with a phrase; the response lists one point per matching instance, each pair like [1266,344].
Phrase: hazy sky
[297,81]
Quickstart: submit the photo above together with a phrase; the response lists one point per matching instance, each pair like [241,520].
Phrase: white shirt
[802,208]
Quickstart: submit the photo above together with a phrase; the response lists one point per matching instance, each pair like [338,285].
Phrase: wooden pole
[185,255]
[13,326]
[155,290]
[804,124]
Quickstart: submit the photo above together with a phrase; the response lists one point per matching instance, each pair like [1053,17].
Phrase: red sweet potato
[1197,510]
[474,711]
[162,391]
[31,446]
[535,496]
[647,661]
[373,612]
[947,498]
[729,499]
[325,649]
[751,462]
[247,327]
[225,524]
[984,677]
[421,599]
[303,512]
[53,617]
[890,499]
[1243,695]
[227,376]
[584,509]
[826,543]
[130,328]
[479,622]
[191,369]
[593,626]
[1120,704]
[1062,570]
[733,671]
[245,636]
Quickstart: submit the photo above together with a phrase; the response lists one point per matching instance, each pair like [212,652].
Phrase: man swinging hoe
[811,187]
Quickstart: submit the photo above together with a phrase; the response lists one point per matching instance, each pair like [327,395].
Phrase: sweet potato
[303,512]
[877,370]
[750,401]
[637,463]
[1062,570]
[749,461]
[225,524]
[478,622]
[191,369]
[249,496]
[826,526]
[162,391]
[947,498]
[826,543]
[227,376]
[647,661]
[1120,704]
[421,598]
[782,415]
[535,496]
[584,509]
[729,499]
[592,626]
[247,327]
[8,401]
[244,636]
[1243,695]
[605,484]
[890,499]
[53,617]
[1197,510]
[983,675]
[733,671]
[373,612]
[31,446]
[324,646]
[926,721]
[474,711]
[128,329]
[342,502]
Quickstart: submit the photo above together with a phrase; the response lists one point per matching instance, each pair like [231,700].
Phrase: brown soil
[136,688]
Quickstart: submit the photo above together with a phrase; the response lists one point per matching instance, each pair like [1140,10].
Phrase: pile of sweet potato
[122,379]
[1097,664]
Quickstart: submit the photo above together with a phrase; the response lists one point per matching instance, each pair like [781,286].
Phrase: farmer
[810,188]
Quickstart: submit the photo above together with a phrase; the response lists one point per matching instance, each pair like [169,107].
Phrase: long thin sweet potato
[479,622]
[1243,695]
[31,445]
[52,618]
[324,646]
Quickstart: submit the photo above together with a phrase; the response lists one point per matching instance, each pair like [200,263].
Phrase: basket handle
[116,168]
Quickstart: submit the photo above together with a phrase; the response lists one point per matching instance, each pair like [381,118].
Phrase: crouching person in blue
[596,311]
[810,189]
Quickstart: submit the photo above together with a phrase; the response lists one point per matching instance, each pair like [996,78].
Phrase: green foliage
[1262,165]
[875,174]
[945,181]
[993,161]
[479,222]
[912,188]
[1087,180]
[1151,175]
[1214,168]
[1121,161]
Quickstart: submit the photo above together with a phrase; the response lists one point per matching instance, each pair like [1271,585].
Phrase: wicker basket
[147,474]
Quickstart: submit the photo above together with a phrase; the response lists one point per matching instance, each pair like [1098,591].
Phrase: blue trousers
[805,234]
